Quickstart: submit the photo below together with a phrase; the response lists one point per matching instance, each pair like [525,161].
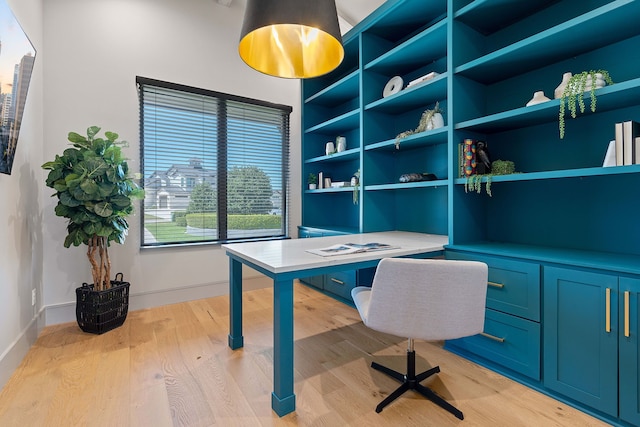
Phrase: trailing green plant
[95,194]
[573,94]
[498,167]
[425,119]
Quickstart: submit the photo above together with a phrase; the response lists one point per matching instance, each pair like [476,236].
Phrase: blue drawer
[340,283]
[514,286]
[508,341]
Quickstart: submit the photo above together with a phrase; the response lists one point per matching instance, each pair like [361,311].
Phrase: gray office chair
[430,300]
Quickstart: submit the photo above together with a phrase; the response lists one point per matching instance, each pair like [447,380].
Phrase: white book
[320,180]
[637,151]
[631,129]
[610,156]
[618,140]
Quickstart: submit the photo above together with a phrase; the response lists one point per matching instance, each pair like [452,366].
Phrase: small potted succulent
[312,180]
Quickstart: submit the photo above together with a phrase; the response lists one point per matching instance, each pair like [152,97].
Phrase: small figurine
[483,158]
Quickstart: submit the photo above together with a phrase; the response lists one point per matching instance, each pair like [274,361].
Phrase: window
[215,166]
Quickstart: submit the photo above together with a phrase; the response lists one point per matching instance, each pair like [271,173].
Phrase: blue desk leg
[283,401]
[236,339]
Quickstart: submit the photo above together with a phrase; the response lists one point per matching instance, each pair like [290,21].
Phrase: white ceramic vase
[557,93]
[538,98]
[437,121]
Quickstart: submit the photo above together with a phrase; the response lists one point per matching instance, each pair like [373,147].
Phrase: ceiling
[350,12]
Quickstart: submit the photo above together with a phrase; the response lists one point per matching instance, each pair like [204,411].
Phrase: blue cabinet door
[581,336]
[629,361]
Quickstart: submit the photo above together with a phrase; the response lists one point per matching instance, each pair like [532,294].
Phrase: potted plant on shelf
[95,194]
[573,93]
[430,119]
[312,180]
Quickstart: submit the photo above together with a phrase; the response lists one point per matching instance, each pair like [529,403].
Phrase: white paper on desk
[351,248]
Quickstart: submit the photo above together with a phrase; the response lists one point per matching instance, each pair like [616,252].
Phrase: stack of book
[625,149]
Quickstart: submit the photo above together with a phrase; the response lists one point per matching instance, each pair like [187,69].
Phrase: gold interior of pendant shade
[291,38]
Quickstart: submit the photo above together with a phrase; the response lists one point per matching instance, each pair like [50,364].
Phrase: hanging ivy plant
[573,94]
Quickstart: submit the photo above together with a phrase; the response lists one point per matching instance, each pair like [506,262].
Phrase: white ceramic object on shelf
[393,86]
[437,121]
[538,98]
[330,148]
[557,93]
[341,144]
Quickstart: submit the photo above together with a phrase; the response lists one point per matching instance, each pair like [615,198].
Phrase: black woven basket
[98,312]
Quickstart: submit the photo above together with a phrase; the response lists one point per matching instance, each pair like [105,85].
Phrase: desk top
[281,256]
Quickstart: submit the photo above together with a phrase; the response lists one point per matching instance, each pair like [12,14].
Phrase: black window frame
[222,166]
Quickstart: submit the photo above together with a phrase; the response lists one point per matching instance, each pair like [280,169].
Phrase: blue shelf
[330,190]
[344,122]
[422,49]
[566,173]
[406,185]
[351,154]
[618,95]
[489,16]
[605,25]
[423,139]
[419,95]
[338,93]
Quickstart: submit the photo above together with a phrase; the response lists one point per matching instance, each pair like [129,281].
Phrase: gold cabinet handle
[607,309]
[496,285]
[492,337]
[339,282]
[626,314]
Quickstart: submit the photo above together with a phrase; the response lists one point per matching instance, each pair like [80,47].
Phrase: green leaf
[111,136]
[76,138]
[95,167]
[68,200]
[92,131]
[72,180]
[60,185]
[53,176]
[106,188]
[62,210]
[121,201]
[89,186]
[103,209]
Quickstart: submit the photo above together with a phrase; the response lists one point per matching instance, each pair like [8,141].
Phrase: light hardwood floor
[171,366]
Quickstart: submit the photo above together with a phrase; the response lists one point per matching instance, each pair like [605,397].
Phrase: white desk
[286,260]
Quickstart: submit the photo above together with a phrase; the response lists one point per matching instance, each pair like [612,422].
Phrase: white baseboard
[66,312]
[13,355]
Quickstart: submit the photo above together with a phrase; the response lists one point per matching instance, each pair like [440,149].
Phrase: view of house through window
[215,166]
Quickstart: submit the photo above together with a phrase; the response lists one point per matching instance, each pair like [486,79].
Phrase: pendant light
[291,38]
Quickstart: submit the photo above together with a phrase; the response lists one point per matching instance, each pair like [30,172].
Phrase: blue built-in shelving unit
[561,237]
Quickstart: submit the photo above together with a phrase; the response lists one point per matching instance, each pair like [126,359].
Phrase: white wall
[95,49]
[21,244]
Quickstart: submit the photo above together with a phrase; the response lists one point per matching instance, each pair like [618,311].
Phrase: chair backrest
[429,299]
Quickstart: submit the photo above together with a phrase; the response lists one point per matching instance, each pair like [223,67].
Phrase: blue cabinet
[591,339]
[511,336]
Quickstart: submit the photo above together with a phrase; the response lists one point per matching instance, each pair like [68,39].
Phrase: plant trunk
[98,255]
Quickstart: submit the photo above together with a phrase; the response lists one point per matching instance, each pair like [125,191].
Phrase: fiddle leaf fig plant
[95,193]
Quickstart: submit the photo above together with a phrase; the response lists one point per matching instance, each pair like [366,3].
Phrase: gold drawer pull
[607,309]
[492,337]
[495,285]
[339,282]
[626,314]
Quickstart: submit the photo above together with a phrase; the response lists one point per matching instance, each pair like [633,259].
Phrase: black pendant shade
[291,38]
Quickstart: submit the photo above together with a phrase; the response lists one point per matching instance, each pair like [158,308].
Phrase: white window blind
[215,166]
